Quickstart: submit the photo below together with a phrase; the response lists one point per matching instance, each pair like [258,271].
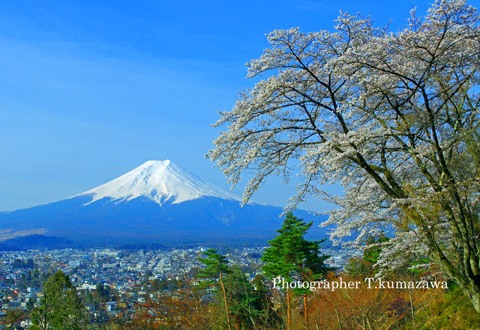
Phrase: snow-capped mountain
[157,202]
[159,181]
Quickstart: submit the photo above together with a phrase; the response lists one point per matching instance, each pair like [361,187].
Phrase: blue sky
[91,89]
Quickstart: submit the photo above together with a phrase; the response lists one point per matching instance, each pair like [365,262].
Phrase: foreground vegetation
[255,305]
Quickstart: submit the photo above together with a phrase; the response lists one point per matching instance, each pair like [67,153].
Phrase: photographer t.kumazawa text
[369,282]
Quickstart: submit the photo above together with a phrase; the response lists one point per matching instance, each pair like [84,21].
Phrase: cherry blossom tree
[391,116]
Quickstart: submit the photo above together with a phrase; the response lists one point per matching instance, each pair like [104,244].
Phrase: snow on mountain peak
[158,181]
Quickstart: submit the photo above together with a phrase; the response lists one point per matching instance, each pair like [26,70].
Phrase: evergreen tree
[292,257]
[30,304]
[60,307]
[364,266]
[13,318]
[372,252]
[104,292]
[216,266]
[269,317]
[249,305]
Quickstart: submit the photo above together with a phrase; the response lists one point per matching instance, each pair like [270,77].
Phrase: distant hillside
[36,242]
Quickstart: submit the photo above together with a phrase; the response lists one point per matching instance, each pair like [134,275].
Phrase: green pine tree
[60,308]
[216,266]
[13,318]
[291,256]
[294,258]
[249,305]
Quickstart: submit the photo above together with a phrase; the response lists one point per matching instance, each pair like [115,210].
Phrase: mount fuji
[158,202]
[158,181]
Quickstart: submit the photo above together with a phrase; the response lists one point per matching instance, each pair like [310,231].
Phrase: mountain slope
[159,181]
[158,202]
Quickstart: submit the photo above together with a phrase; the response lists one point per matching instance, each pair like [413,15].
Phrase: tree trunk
[305,310]
[225,302]
[289,312]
